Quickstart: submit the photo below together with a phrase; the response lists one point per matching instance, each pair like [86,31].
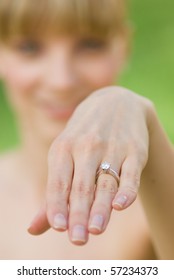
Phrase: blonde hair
[88,17]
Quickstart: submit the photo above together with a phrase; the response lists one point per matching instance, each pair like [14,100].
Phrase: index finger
[60,173]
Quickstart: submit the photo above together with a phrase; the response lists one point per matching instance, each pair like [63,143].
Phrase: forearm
[157,190]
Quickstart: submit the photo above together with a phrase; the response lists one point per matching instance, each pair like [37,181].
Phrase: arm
[157,189]
[122,133]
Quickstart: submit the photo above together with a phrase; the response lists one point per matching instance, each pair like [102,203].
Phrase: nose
[60,74]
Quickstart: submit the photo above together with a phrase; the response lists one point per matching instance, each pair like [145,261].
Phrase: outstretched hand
[111,125]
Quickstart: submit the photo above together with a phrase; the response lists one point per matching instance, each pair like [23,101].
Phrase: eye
[91,44]
[29,47]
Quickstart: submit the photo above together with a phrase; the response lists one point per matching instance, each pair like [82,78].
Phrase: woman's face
[46,78]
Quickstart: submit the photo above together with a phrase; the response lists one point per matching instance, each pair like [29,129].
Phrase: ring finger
[106,189]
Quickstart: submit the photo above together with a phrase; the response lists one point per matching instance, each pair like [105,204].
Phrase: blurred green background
[150,69]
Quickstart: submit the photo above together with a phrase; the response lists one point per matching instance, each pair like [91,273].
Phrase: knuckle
[130,188]
[59,145]
[58,187]
[63,187]
[105,207]
[106,185]
[115,146]
[113,142]
[64,143]
[141,152]
[81,189]
[136,180]
[90,142]
[132,178]
[78,214]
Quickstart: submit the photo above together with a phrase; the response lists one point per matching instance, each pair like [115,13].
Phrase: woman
[58,61]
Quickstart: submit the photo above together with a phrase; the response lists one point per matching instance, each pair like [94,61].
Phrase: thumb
[40,223]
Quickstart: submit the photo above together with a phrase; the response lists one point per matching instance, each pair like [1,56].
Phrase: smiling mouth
[58,112]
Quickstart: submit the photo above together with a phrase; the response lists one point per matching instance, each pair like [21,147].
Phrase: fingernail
[78,233]
[97,222]
[60,221]
[120,201]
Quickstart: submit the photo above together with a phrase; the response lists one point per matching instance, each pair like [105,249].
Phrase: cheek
[100,72]
[20,78]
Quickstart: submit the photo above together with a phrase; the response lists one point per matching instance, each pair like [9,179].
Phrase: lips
[58,112]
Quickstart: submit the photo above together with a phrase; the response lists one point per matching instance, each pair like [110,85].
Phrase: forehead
[28,17]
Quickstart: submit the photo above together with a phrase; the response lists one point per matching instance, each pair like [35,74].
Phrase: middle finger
[81,198]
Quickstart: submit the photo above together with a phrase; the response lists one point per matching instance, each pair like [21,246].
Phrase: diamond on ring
[105,168]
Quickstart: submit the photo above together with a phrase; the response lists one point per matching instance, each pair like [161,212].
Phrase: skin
[157,189]
[75,142]
[156,178]
[46,80]
[53,83]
